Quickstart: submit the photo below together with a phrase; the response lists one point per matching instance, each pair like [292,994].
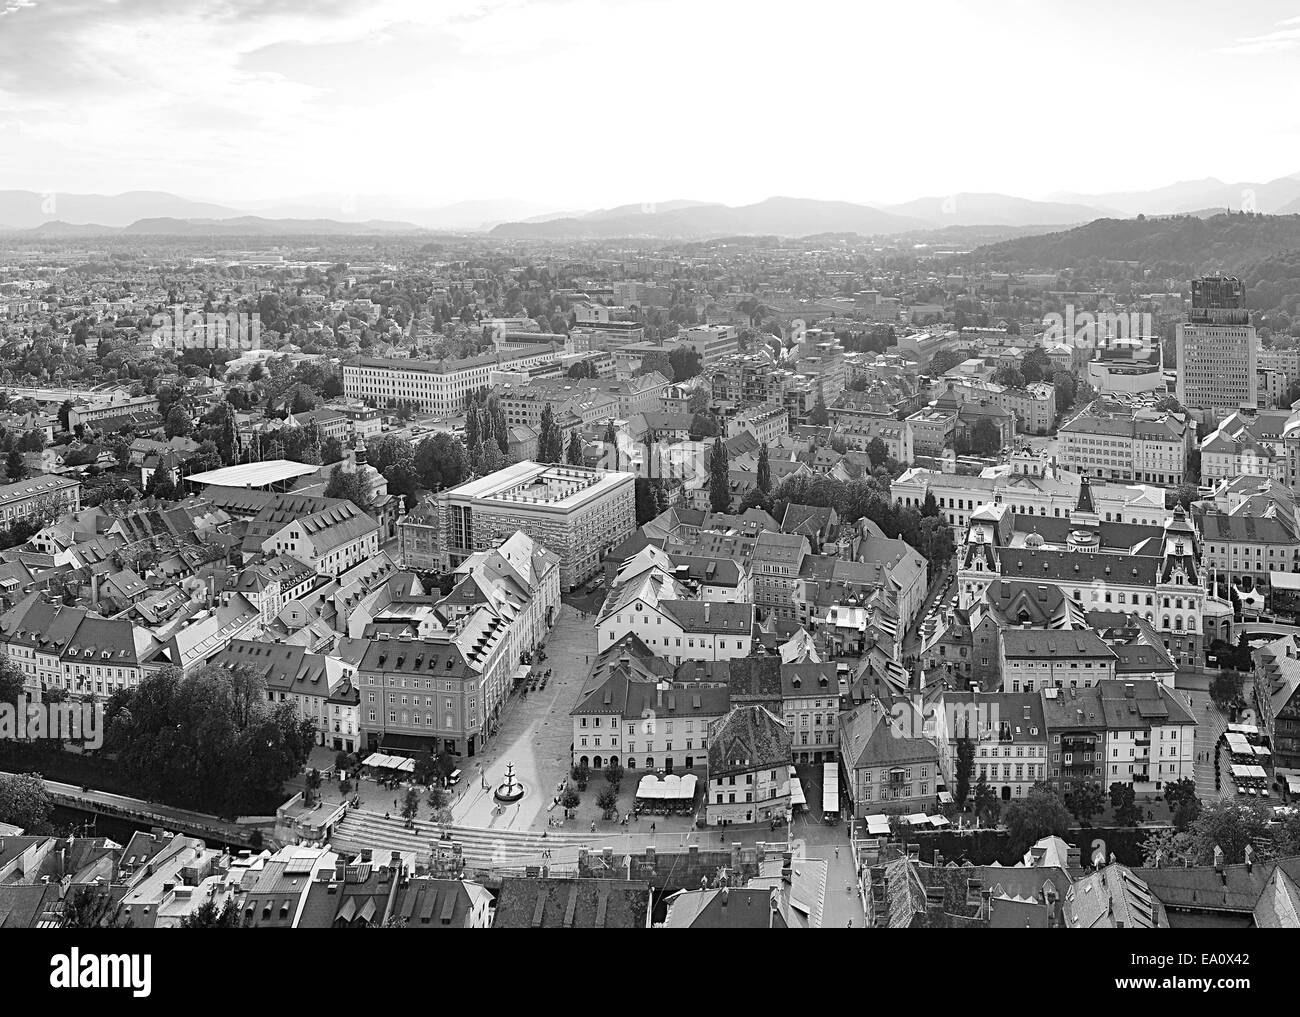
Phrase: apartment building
[1112,440]
[777,562]
[37,496]
[1033,659]
[810,705]
[748,768]
[643,724]
[436,387]
[438,693]
[1150,735]
[766,423]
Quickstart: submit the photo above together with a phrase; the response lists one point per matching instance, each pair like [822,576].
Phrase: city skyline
[339,102]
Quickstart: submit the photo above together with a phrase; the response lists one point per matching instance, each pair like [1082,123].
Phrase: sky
[578,104]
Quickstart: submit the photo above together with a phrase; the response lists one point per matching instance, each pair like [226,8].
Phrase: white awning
[917,819]
[878,826]
[796,790]
[668,788]
[938,821]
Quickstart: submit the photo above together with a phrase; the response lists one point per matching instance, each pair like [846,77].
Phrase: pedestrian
[593,826]
[837,854]
[652,829]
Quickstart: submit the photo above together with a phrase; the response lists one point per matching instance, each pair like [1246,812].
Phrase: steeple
[1085,504]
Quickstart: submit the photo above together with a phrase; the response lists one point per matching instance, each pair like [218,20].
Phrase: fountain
[509,790]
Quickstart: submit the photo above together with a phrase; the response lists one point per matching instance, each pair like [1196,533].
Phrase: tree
[1067,388]
[1183,802]
[569,797]
[426,768]
[764,471]
[347,484]
[985,803]
[440,462]
[24,802]
[1226,689]
[387,451]
[1230,826]
[647,507]
[15,466]
[719,478]
[1085,802]
[208,916]
[607,800]
[1036,365]
[1039,814]
[550,440]
[985,438]
[614,773]
[574,455]
[582,773]
[965,767]
[162,485]
[1124,801]
[411,806]
[1167,848]
[942,362]
[703,426]
[210,740]
[930,506]
[12,682]
[877,452]
[936,542]
[684,364]
[65,410]
[1010,377]
[90,907]
[179,423]
[227,439]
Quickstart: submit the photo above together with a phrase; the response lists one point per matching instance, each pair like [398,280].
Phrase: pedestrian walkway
[484,848]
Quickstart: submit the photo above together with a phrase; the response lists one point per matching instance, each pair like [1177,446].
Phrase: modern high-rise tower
[1217,350]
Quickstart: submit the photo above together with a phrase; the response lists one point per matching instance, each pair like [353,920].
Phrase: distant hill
[786,217]
[969,209]
[239,226]
[1270,196]
[28,209]
[1180,244]
[251,225]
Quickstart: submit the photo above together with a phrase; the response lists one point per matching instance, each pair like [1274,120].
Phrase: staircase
[480,848]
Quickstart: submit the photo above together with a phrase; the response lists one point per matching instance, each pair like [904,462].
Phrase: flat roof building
[580,514]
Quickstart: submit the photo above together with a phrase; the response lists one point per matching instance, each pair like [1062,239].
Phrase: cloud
[1284,36]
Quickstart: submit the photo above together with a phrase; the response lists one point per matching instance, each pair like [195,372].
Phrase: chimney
[723,895]
[1250,857]
[1218,863]
[706,612]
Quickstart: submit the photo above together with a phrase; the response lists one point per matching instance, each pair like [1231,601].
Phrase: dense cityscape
[351,580]
[411,518]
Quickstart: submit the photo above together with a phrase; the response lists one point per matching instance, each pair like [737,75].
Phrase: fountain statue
[509,790]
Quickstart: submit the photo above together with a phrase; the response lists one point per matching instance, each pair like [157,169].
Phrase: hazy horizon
[579,104]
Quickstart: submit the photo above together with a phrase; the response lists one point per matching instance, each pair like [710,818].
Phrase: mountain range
[159,213]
